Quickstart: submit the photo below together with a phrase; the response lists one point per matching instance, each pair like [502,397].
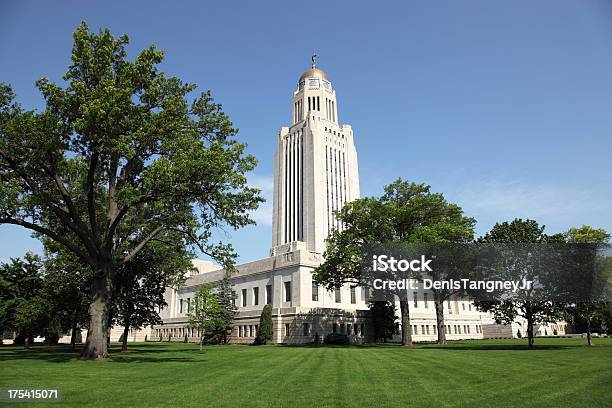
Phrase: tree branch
[62,240]
[91,208]
[142,244]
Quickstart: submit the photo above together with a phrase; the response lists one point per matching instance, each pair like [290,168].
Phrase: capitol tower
[315,168]
[315,174]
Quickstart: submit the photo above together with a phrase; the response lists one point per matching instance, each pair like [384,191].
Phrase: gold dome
[314,73]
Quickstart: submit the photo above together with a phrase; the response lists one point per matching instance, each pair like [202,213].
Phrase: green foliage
[205,312]
[406,213]
[121,156]
[23,306]
[265,326]
[487,372]
[336,338]
[384,320]
[519,334]
[140,284]
[587,234]
[225,321]
[533,310]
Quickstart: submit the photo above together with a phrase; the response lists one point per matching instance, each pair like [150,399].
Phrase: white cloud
[263,215]
[557,206]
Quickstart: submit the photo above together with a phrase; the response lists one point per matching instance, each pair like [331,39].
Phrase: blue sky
[505,107]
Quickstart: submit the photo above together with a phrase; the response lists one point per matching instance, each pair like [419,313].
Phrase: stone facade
[315,174]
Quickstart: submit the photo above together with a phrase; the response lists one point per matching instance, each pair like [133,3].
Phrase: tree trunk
[406,328]
[73,333]
[201,342]
[126,332]
[439,305]
[589,340]
[530,332]
[96,345]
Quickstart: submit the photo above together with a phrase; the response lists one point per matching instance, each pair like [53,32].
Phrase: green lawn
[490,373]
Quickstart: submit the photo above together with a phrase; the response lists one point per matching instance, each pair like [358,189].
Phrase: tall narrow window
[268,294]
[425,299]
[338,295]
[415,294]
[181,306]
[244,297]
[315,292]
[256,296]
[353,295]
[288,291]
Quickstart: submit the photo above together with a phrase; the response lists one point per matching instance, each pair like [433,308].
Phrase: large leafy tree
[67,284]
[584,314]
[407,213]
[22,309]
[118,157]
[141,283]
[520,240]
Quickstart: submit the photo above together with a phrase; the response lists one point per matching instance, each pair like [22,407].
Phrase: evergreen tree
[227,300]
[265,326]
[384,320]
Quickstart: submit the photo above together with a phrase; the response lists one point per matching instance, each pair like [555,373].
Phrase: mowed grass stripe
[494,373]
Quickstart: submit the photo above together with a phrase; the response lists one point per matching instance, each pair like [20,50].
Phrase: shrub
[336,338]
[519,334]
[265,326]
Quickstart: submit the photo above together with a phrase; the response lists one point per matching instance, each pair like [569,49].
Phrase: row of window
[334,133]
[335,183]
[357,329]
[176,332]
[458,329]
[415,302]
[255,297]
[314,104]
[337,294]
[293,188]
[250,330]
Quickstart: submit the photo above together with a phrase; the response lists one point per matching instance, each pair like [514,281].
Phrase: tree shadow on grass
[120,359]
[434,346]
[489,347]
[61,354]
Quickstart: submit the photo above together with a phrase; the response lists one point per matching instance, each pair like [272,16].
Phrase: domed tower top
[314,93]
[314,72]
